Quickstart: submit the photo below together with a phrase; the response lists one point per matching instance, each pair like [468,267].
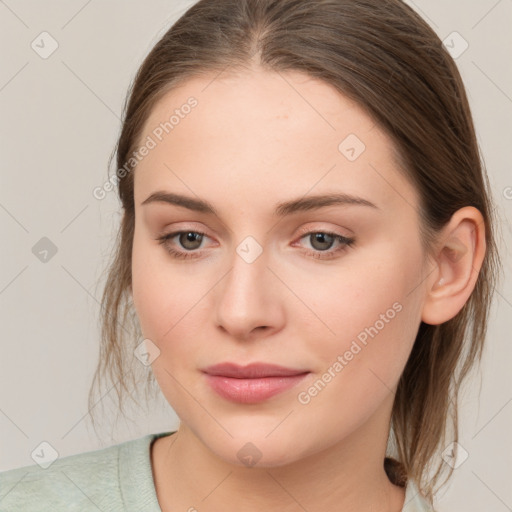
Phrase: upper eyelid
[302,231]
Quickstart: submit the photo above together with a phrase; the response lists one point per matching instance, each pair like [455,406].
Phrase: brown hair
[382,55]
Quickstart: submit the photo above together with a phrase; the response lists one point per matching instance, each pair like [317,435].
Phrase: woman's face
[268,281]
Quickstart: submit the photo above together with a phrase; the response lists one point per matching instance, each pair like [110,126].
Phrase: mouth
[251,384]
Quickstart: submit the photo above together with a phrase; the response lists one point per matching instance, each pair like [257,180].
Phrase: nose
[249,299]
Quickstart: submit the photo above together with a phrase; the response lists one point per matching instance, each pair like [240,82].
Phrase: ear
[460,251]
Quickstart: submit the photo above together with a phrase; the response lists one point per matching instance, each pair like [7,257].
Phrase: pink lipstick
[253,383]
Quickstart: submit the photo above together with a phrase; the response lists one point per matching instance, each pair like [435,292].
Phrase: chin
[253,448]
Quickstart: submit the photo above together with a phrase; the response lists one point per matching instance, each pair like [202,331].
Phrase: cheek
[374,317]
[147,295]
[172,305]
[366,308]
[161,297]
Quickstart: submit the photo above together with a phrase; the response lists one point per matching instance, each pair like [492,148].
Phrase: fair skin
[257,139]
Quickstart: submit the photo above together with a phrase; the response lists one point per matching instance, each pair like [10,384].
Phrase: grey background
[59,123]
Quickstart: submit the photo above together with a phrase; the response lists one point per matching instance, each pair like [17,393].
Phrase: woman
[307,244]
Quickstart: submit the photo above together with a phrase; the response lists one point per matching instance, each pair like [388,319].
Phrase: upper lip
[251,371]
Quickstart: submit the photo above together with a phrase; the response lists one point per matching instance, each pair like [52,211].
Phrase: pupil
[320,237]
[191,237]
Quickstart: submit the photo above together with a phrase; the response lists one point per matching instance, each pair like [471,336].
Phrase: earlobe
[459,257]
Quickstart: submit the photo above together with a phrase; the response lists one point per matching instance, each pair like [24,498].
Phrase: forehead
[265,133]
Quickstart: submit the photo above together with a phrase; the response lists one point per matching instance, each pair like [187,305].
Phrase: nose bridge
[247,298]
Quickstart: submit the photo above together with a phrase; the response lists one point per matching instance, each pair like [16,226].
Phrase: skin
[256,139]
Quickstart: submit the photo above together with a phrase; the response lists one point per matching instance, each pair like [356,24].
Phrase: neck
[347,476]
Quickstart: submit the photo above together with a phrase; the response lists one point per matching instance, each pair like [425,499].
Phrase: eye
[323,241]
[320,241]
[189,240]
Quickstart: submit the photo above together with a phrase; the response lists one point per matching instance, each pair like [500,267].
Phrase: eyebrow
[282,209]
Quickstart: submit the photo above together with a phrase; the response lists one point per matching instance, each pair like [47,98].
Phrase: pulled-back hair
[386,58]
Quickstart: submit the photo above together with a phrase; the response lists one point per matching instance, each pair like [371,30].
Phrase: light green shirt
[113,479]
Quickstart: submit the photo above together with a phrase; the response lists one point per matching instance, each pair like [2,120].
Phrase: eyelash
[346,243]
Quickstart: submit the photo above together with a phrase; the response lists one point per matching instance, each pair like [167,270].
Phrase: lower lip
[251,391]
